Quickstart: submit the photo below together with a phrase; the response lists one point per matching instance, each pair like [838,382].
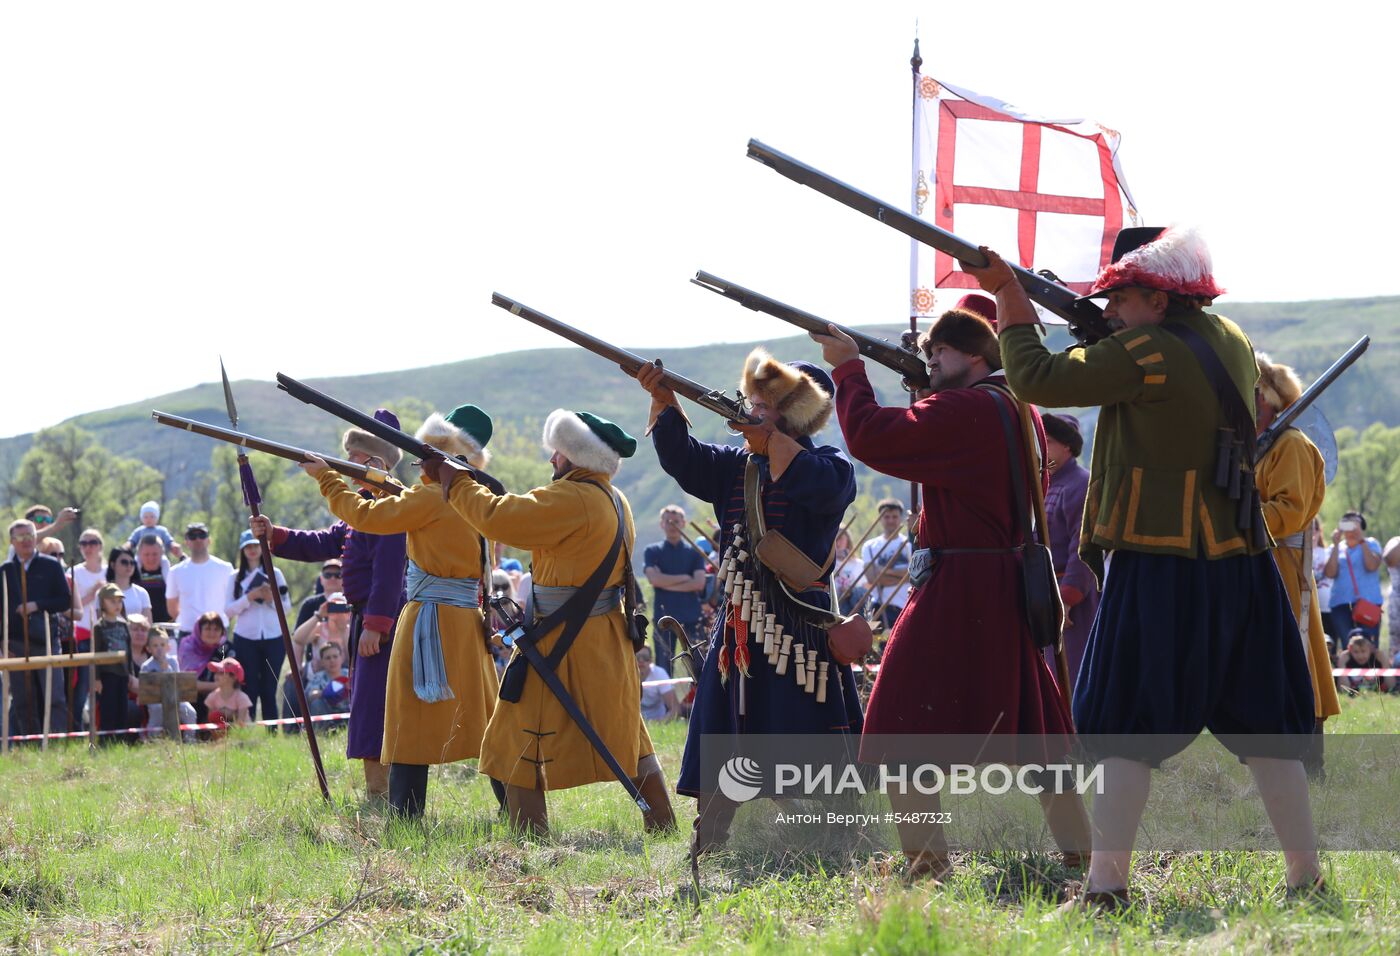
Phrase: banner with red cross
[1046,193]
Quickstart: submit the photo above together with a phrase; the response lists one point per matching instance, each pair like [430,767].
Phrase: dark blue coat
[806,504]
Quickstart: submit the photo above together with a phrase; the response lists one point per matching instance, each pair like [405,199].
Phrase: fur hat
[463,431]
[1279,384]
[588,441]
[799,391]
[362,441]
[968,332]
[1172,259]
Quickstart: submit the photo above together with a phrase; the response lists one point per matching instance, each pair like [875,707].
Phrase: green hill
[520,388]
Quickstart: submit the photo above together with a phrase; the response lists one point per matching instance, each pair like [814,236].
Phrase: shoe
[927,867]
[1315,891]
[1074,859]
[1096,903]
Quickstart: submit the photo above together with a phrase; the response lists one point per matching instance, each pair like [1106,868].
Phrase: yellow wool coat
[441,543]
[1291,488]
[568,528]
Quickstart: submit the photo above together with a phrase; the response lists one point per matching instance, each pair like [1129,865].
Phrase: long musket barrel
[1291,413]
[909,364]
[399,439]
[731,409]
[365,475]
[1085,319]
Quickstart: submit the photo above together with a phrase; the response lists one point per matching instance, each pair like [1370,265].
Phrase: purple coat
[1064,513]
[373,566]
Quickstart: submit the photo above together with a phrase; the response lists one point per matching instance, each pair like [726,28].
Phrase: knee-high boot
[376,780]
[715,812]
[408,789]
[651,781]
[526,810]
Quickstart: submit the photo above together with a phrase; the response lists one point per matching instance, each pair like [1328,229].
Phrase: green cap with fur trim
[473,421]
[613,436]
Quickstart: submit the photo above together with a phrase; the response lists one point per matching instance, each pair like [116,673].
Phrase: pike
[399,439]
[1085,319]
[253,497]
[901,358]
[365,475]
[1291,414]
[730,409]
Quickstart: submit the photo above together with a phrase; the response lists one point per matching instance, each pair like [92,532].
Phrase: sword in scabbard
[518,636]
[364,474]
[711,399]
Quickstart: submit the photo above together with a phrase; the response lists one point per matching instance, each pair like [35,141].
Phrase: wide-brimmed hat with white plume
[1170,259]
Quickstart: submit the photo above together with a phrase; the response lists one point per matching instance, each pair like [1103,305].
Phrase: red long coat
[960,659]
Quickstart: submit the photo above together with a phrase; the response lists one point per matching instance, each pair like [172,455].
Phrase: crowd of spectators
[169,605]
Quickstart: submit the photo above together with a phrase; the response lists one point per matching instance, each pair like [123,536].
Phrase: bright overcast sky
[337,187]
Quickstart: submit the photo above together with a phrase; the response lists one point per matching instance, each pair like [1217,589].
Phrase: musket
[889,563]
[907,362]
[875,618]
[855,549]
[364,474]
[1085,319]
[703,535]
[1290,414]
[399,439]
[730,409]
[253,497]
[709,564]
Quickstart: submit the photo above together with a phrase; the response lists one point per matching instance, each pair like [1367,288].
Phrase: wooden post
[48,683]
[5,676]
[92,700]
[48,663]
[170,705]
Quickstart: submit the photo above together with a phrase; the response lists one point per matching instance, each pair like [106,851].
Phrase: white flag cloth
[1045,193]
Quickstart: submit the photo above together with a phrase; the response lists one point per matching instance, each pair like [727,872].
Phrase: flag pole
[915,63]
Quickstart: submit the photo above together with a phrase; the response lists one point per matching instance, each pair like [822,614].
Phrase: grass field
[228,848]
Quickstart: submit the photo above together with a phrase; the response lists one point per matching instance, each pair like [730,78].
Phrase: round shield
[1315,425]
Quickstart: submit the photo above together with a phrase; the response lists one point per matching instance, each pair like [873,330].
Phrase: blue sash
[429,590]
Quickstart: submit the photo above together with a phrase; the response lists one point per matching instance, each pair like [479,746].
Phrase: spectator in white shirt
[658,703]
[257,633]
[886,561]
[850,574]
[198,584]
[121,571]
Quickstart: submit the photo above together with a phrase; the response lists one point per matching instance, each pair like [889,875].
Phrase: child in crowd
[110,633]
[161,659]
[1360,653]
[329,689]
[150,517]
[227,699]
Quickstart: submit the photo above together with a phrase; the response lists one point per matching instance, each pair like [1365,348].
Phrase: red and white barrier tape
[669,682]
[1366,672]
[19,738]
[151,730]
